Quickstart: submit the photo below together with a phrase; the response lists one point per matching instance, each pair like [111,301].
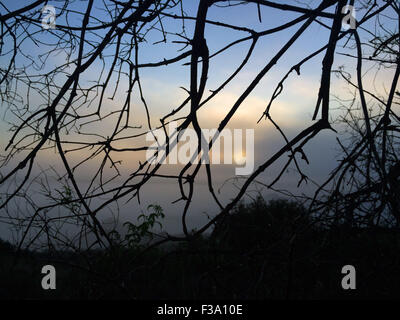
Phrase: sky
[162,88]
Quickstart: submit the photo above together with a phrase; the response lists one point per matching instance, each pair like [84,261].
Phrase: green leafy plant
[136,233]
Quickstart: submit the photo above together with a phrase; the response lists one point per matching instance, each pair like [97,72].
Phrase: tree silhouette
[65,108]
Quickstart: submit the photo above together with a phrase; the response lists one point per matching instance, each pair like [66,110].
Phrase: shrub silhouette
[260,223]
[260,250]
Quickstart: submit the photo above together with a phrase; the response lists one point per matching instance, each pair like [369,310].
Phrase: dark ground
[260,251]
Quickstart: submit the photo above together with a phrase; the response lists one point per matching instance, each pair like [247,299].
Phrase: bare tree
[365,185]
[65,108]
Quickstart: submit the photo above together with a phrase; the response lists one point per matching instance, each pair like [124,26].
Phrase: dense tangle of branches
[65,107]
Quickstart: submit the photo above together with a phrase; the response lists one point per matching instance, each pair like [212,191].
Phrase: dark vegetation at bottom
[260,251]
